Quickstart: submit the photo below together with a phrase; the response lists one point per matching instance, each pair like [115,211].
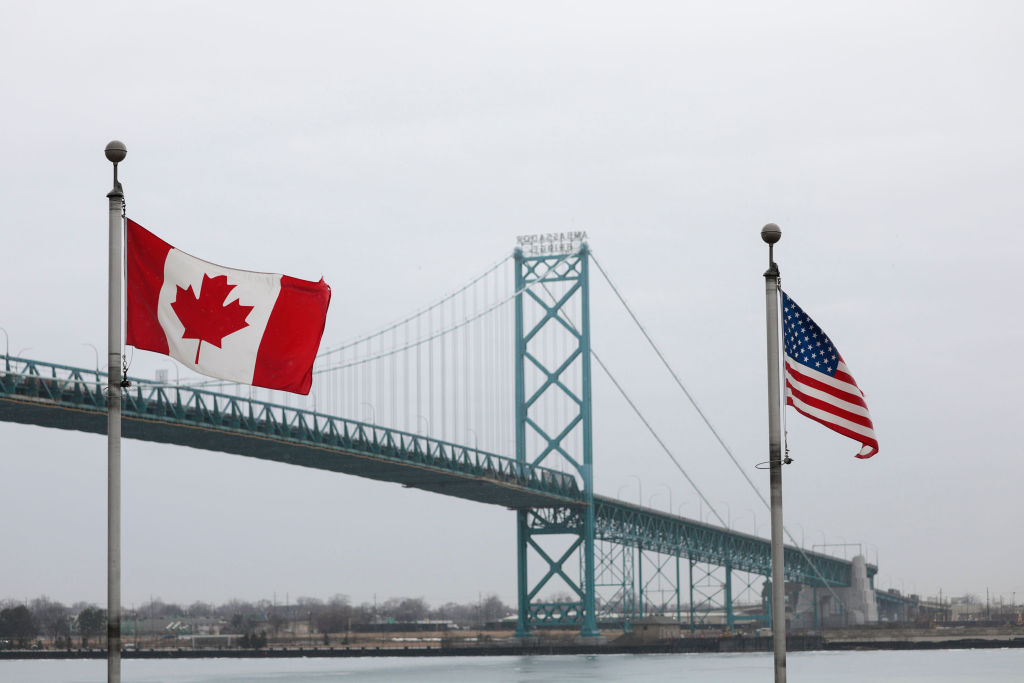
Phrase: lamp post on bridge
[802,544]
[7,349]
[177,374]
[96,353]
[373,411]
[753,518]
[426,420]
[639,490]
[728,514]
[669,489]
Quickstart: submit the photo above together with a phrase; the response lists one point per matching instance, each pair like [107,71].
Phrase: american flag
[818,383]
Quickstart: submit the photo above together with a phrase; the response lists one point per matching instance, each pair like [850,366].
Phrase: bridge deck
[71,398]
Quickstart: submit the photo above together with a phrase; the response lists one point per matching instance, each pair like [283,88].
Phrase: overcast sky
[397,149]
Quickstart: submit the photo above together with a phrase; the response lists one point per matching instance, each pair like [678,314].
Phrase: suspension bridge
[503,363]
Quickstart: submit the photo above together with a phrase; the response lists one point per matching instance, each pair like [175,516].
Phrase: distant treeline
[21,623]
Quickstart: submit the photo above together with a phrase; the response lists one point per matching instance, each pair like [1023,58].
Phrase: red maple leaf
[205,317]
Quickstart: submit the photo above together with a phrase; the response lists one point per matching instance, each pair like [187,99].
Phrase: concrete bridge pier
[816,607]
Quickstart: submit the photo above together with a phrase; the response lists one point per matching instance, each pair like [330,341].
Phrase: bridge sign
[551,243]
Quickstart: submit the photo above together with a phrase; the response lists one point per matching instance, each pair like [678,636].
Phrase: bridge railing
[177,403]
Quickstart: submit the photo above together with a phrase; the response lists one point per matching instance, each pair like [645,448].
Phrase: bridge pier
[730,615]
[523,604]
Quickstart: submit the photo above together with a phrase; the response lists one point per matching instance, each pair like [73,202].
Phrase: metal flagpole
[115,152]
[771,234]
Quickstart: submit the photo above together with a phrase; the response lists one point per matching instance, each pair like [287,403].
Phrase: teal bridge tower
[553,299]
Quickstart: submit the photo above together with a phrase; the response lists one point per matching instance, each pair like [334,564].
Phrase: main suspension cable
[421,312]
[707,422]
[444,331]
[643,419]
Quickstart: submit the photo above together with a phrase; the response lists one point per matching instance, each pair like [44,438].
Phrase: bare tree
[92,621]
[53,618]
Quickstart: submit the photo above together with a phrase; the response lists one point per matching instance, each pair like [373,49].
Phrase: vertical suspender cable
[508,360]
[495,368]
[406,398]
[444,383]
[494,373]
[476,376]
[486,386]
[453,341]
[466,373]
[364,375]
[431,402]
[419,375]
[394,379]
[353,386]
[458,374]
[380,377]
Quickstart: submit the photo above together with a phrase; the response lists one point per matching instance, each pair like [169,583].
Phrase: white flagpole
[115,152]
[771,234]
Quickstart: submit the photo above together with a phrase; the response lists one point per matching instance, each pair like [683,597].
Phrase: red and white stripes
[834,401]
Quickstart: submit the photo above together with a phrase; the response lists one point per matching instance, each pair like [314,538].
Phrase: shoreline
[681,646]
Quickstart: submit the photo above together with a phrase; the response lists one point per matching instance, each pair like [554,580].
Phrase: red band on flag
[146,254]
[289,346]
[827,406]
[840,394]
[870,445]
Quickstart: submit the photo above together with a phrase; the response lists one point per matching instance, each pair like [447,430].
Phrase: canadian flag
[262,329]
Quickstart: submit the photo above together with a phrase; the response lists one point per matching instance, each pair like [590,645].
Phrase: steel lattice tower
[553,302]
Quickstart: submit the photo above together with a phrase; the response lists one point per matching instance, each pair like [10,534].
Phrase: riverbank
[906,639]
[924,638]
[682,645]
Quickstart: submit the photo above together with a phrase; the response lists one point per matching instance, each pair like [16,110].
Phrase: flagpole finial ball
[115,151]
[771,233]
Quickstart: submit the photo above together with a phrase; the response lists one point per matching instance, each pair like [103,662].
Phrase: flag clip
[125,382]
[767,465]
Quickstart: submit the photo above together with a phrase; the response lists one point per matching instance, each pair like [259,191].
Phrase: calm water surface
[942,666]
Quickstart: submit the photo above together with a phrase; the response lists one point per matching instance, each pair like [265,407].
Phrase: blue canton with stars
[804,340]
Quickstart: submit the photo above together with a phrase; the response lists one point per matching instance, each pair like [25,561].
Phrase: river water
[938,666]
